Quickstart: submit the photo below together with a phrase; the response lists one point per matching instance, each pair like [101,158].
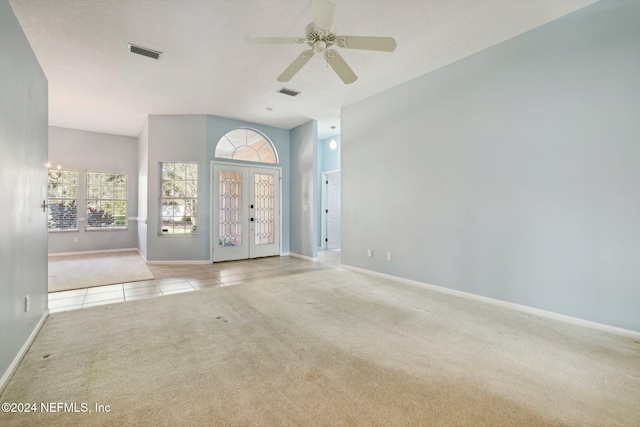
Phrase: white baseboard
[510,305]
[185,262]
[284,253]
[142,255]
[308,258]
[6,377]
[104,251]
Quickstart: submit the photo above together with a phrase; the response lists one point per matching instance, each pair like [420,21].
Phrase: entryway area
[245,220]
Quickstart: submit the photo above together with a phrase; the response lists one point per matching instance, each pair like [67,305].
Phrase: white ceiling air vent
[289,92]
[144,51]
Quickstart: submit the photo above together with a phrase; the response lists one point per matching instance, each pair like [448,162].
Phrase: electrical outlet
[370,253]
[27,303]
[75,240]
[388,256]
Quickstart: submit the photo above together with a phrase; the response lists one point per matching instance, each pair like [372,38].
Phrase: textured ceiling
[96,84]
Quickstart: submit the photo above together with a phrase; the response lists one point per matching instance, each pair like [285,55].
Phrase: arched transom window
[247,145]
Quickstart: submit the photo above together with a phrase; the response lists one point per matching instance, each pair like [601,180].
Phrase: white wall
[304,221]
[92,151]
[511,174]
[23,185]
[143,187]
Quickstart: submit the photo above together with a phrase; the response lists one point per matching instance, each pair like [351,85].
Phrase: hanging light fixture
[54,173]
[333,144]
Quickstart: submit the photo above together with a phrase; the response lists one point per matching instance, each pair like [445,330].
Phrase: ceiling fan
[320,37]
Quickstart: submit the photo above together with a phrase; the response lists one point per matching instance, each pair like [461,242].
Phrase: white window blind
[62,194]
[106,200]
[179,197]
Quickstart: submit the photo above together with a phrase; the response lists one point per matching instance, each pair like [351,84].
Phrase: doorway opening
[331,210]
[245,211]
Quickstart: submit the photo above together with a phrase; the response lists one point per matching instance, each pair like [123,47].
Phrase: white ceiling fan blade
[382,44]
[278,40]
[295,66]
[323,14]
[341,68]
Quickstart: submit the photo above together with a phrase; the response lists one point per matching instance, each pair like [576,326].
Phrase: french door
[245,212]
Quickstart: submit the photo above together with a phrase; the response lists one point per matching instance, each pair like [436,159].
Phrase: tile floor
[175,278]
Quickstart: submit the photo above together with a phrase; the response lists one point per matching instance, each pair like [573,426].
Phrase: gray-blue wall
[512,174]
[329,159]
[92,151]
[177,138]
[23,185]
[304,217]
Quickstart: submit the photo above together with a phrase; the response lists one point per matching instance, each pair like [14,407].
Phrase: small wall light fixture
[333,144]
[54,173]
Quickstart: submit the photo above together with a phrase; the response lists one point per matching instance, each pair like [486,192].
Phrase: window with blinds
[106,200]
[62,193]
[179,197]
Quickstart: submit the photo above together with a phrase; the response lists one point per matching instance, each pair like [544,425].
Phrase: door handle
[251,219]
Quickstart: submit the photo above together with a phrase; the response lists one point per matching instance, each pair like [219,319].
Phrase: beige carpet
[330,348]
[89,270]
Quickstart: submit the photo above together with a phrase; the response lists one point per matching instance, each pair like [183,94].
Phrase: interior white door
[333,211]
[245,205]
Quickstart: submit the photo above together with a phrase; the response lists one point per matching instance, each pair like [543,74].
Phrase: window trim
[62,199]
[273,148]
[89,228]
[161,198]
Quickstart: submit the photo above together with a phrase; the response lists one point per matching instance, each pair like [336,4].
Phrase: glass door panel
[230,208]
[264,209]
[230,198]
[265,223]
[245,212]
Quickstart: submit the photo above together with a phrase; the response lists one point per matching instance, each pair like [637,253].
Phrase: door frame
[325,202]
[212,199]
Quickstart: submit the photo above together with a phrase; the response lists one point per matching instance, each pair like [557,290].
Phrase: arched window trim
[266,138]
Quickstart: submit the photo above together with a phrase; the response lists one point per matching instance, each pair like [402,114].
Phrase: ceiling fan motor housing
[318,38]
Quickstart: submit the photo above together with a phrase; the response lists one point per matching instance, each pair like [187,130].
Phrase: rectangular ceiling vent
[144,51]
[289,92]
